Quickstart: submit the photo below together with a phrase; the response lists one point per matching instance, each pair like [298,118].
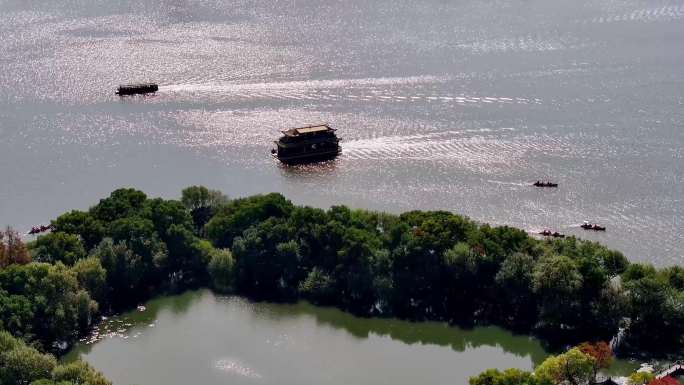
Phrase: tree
[8,342]
[600,352]
[675,276]
[637,271]
[23,365]
[12,249]
[20,364]
[266,262]
[557,283]
[165,213]
[443,227]
[656,312]
[572,367]
[195,197]
[318,287]
[151,254]
[80,223]
[187,257]
[221,270]
[58,246]
[594,277]
[383,282]
[499,242]
[125,271]
[507,377]
[60,309]
[202,203]
[640,378]
[78,373]
[16,314]
[614,262]
[132,229]
[240,214]
[605,313]
[420,274]
[92,277]
[121,203]
[354,270]
[514,281]
[465,277]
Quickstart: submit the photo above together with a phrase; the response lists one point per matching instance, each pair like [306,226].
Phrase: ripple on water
[422,109]
[643,15]
[234,366]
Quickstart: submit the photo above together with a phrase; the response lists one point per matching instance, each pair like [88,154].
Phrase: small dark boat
[39,229]
[555,234]
[307,145]
[141,88]
[544,184]
[589,226]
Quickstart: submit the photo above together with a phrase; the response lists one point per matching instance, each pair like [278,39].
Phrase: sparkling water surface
[455,105]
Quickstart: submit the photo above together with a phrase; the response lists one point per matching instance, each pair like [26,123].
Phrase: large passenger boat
[141,88]
[307,144]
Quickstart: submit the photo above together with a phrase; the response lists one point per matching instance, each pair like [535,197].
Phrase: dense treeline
[580,365]
[418,265]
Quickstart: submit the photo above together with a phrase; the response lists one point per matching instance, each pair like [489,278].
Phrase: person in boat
[588,226]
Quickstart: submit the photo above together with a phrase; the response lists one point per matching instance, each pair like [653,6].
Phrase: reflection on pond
[425,333]
[198,337]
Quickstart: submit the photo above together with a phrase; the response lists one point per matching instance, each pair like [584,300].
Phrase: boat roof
[308,130]
[137,85]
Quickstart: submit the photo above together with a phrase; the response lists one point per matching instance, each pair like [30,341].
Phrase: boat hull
[137,89]
[308,158]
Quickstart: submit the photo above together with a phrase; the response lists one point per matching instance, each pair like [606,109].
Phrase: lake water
[200,338]
[454,105]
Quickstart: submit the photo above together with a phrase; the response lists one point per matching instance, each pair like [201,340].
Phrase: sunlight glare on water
[441,105]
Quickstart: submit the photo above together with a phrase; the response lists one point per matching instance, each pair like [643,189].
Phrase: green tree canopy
[92,277]
[80,223]
[507,377]
[240,214]
[121,203]
[640,378]
[572,367]
[318,287]
[557,282]
[515,282]
[221,270]
[21,364]
[58,247]
[78,373]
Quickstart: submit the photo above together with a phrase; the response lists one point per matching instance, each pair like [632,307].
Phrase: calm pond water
[200,338]
[454,105]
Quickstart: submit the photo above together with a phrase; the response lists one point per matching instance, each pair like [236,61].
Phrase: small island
[420,265]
